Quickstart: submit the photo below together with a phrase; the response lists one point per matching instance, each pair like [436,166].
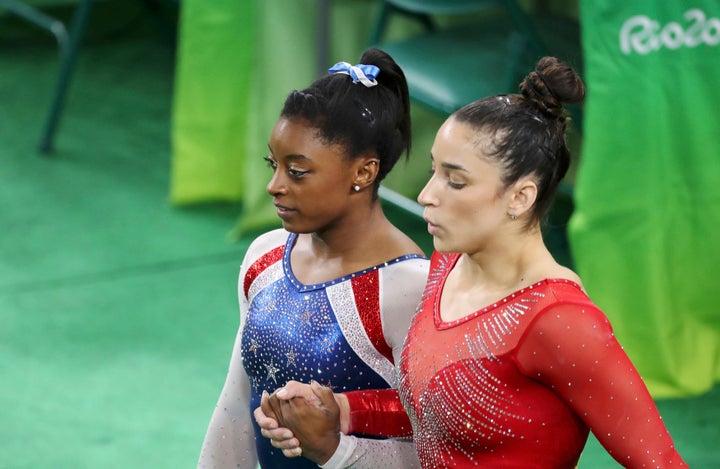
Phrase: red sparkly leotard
[519,383]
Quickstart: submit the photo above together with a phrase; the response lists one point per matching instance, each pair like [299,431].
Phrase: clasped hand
[301,419]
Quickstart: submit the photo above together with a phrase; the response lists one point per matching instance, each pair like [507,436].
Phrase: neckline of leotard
[302,287]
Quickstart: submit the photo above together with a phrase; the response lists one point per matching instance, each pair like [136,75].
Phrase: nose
[426,196]
[276,186]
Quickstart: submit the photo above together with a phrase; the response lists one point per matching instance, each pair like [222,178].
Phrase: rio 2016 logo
[643,35]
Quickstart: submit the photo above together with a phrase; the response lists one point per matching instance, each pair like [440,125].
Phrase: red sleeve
[572,349]
[378,412]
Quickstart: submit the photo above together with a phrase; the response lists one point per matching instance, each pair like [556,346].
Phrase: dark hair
[362,119]
[528,131]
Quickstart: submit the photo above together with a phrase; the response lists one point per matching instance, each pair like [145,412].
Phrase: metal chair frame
[68,40]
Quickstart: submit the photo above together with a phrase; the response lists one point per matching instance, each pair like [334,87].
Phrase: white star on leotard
[254,346]
[291,358]
[272,370]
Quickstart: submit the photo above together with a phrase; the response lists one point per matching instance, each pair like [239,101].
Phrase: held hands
[279,437]
[303,416]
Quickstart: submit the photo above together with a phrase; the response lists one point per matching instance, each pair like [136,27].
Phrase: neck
[508,265]
[352,234]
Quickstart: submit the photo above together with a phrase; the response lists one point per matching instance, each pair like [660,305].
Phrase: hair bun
[551,84]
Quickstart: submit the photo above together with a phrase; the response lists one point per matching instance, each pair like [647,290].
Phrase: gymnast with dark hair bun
[507,363]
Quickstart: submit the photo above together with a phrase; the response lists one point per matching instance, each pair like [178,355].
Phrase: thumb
[323,393]
[293,389]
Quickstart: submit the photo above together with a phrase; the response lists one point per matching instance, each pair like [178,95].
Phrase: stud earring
[356,188]
[512,216]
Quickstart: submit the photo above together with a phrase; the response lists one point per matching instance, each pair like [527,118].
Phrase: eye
[296,173]
[270,162]
[455,181]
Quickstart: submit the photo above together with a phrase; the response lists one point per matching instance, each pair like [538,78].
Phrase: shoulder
[565,273]
[267,249]
[409,265]
[405,278]
[561,305]
[402,284]
[570,309]
[567,291]
[265,243]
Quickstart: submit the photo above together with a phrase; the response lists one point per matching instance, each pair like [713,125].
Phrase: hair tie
[362,73]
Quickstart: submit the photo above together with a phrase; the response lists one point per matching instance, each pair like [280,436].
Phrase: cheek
[324,201]
[476,216]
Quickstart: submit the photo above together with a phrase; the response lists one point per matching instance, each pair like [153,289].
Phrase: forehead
[459,140]
[299,138]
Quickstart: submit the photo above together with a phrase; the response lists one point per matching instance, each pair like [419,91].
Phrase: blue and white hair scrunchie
[362,73]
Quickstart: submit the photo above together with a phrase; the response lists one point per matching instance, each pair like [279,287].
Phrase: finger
[265,406]
[263,420]
[287,444]
[292,452]
[278,434]
[276,406]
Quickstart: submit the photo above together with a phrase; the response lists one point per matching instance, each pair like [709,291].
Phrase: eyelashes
[453,185]
[270,162]
[294,173]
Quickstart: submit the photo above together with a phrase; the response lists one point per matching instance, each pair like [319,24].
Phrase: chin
[445,245]
[297,228]
[440,246]
[291,227]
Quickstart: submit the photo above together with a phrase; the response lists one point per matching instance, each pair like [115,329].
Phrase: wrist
[344,405]
[328,450]
[343,453]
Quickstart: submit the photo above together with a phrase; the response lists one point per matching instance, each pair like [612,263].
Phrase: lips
[283,211]
[432,228]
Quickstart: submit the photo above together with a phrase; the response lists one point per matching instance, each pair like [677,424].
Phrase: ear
[366,170]
[523,194]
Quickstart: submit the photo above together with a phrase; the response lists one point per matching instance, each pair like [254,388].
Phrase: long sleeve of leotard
[572,349]
[230,439]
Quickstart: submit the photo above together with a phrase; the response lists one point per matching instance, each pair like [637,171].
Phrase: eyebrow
[450,166]
[292,156]
[453,166]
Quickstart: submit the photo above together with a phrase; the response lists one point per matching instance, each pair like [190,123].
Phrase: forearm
[377,412]
[363,453]
[230,439]
[228,443]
